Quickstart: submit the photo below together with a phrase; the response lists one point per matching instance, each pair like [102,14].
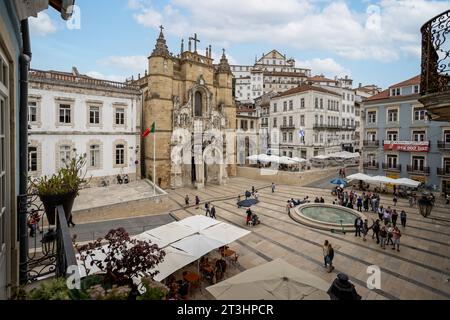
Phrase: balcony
[435,82]
[287,127]
[264,125]
[326,127]
[391,167]
[443,172]
[442,145]
[418,170]
[371,165]
[371,143]
[50,252]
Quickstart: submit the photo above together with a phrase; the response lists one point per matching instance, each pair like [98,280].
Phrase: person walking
[330,258]
[208,211]
[359,203]
[394,217]
[186,200]
[238,201]
[256,195]
[383,237]
[395,200]
[396,234]
[253,190]
[325,253]
[197,202]
[273,187]
[390,235]
[403,218]
[213,212]
[447,198]
[365,229]
[358,227]
[376,231]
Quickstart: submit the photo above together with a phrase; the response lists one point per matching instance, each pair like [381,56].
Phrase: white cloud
[98,75]
[42,25]
[328,67]
[129,63]
[387,31]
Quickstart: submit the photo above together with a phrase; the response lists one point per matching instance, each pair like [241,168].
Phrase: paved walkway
[420,271]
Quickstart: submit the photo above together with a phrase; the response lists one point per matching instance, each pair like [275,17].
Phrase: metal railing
[50,248]
[371,143]
[436,55]
[443,172]
[391,167]
[443,145]
[287,127]
[322,126]
[371,165]
[418,169]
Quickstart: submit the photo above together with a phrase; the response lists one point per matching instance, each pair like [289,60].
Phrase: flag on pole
[148,130]
[301,133]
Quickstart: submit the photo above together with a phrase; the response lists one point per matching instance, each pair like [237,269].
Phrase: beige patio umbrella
[276,280]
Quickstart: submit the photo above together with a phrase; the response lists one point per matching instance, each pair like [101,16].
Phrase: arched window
[198,104]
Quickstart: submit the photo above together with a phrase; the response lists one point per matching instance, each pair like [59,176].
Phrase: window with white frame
[284,136]
[285,106]
[291,105]
[392,161]
[372,117]
[120,116]
[274,107]
[274,122]
[94,156]
[302,103]
[392,135]
[94,115]
[393,115]
[302,120]
[418,163]
[4,155]
[65,114]
[420,114]
[32,159]
[32,111]
[65,155]
[120,154]
[291,137]
[316,103]
[419,135]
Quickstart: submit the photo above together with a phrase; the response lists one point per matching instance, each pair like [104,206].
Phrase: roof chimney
[75,71]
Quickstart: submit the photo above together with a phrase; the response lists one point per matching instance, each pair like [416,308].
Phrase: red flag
[146,133]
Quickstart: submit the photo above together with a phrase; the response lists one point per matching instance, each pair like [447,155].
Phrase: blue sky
[372,41]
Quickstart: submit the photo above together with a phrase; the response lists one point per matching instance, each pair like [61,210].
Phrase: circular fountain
[326,217]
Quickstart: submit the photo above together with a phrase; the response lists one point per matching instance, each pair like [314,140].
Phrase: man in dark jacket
[213,212]
[358,226]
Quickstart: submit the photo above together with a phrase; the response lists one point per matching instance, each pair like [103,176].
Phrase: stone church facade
[191,101]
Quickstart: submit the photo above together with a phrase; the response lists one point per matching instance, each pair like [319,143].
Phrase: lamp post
[425,205]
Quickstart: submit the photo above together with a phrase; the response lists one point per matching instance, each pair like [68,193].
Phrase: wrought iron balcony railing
[392,167]
[436,55]
[442,145]
[322,126]
[371,143]
[288,127]
[50,248]
[371,165]
[443,172]
[418,169]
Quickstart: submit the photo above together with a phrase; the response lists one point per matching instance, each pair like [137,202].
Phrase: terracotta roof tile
[410,82]
[305,88]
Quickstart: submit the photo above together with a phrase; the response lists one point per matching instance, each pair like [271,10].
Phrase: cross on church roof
[195,39]
[162,28]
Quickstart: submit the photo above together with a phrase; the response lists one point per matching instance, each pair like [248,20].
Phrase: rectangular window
[372,117]
[302,103]
[284,121]
[32,111]
[302,120]
[291,105]
[120,154]
[94,156]
[291,121]
[416,89]
[284,137]
[32,159]
[392,161]
[94,115]
[65,155]
[285,106]
[418,163]
[316,103]
[392,136]
[291,136]
[274,122]
[420,114]
[321,103]
[392,115]
[120,116]
[274,107]
[64,114]
[419,135]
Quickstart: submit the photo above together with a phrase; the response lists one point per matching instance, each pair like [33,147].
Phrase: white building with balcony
[307,121]
[272,72]
[73,114]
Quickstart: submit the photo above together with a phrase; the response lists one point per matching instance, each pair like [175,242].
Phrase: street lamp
[425,205]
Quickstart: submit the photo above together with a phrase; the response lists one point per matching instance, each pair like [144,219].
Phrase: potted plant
[61,188]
